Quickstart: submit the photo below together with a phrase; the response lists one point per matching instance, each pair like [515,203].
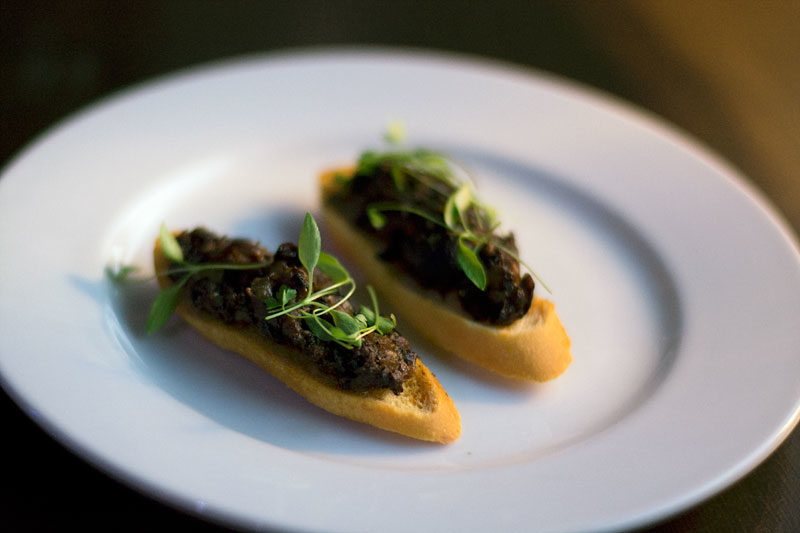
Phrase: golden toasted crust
[422,411]
[535,347]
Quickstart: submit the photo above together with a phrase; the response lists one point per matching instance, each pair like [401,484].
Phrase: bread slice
[535,347]
[422,411]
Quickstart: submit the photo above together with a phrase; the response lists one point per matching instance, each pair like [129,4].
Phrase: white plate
[677,283]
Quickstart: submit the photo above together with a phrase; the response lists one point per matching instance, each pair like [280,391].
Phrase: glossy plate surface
[676,282]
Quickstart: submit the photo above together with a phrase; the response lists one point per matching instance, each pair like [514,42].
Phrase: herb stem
[396,206]
[516,256]
[311,299]
[194,268]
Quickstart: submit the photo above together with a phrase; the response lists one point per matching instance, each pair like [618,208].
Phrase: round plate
[676,282]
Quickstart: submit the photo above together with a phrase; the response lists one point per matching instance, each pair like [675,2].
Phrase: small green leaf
[120,273]
[395,132]
[463,197]
[450,214]
[309,245]
[376,218]
[170,245]
[470,264]
[345,322]
[456,205]
[362,319]
[286,295]
[368,314]
[315,324]
[345,339]
[332,267]
[385,325]
[326,331]
[163,307]
[338,333]
[272,304]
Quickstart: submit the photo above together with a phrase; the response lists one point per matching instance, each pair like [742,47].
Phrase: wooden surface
[726,72]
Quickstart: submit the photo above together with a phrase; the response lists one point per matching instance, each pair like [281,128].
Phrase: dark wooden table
[726,72]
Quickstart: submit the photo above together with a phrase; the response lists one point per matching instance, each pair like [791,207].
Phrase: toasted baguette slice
[535,347]
[422,411]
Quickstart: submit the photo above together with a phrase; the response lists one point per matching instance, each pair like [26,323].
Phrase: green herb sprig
[167,300]
[326,322]
[430,168]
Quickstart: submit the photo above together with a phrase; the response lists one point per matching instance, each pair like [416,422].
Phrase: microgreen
[120,273]
[163,306]
[332,268]
[376,217]
[167,300]
[456,205]
[470,264]
[433,170]
[327,322]
[308,247]
[395,132]
[170,245]
[373,316]
[284,296]
[418,164]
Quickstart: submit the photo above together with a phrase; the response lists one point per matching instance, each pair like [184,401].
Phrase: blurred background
[726,72]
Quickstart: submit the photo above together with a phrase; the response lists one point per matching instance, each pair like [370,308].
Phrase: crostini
[420,235]
[290,313]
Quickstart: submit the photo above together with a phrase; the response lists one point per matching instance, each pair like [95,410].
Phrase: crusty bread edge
[534,348]
[422,411]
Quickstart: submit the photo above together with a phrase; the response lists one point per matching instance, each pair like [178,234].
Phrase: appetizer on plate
[291,313]
[413,223]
